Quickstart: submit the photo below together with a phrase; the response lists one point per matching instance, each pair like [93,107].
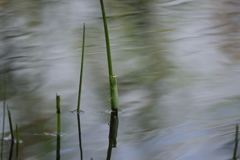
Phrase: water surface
[177,64]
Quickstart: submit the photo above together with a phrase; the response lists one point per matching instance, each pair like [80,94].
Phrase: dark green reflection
[80,136]
[113,132]
[12,136]
[11,150]
[236,144]
[58,127]
[58,147]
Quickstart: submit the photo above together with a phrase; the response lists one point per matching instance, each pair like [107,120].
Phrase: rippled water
[178,77]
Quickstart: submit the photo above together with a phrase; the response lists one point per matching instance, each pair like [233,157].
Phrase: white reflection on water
[178,69]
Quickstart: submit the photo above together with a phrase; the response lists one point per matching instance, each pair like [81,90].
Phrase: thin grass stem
[81,71]
[58,111]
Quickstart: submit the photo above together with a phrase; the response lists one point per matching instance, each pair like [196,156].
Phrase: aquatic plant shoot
[112,77]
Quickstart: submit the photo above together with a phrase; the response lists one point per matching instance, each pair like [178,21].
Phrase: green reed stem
[58,111]
[107,39]
[112,77]
[81,70]
[10,124]
[236,144]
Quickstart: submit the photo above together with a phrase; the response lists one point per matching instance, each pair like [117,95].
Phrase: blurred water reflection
[178,68]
